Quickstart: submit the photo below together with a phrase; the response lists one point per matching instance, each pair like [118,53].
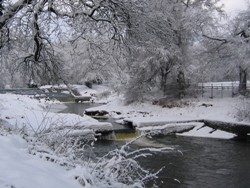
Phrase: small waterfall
[126,136]
[119,136]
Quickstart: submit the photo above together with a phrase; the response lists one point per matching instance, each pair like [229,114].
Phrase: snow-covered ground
[35,115]
[32,115]
[149,115]
[216,109]
[21,169]
[24,114]
[99,93]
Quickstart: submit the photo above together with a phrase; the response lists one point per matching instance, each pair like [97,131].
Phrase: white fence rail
[220,89]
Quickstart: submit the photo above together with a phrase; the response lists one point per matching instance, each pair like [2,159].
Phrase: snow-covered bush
[118,168]
[243,111]
[62,138]
[72,147]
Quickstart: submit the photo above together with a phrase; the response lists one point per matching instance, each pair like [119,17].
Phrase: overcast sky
[233,6]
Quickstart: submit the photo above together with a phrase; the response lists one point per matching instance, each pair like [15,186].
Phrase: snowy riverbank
[21,169]
[39,148]
[146,116]
[32,115]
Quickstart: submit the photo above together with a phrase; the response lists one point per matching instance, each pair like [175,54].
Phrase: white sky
[233,6]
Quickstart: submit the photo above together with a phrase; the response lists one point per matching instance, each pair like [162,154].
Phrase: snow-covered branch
[12,10]
[215,38]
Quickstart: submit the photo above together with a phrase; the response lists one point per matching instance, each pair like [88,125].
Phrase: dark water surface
[199,162]
[204,163]
[78,108]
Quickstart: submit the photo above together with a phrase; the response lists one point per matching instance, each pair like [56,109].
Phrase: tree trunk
[164,76]
[1,8]
[181,84]
[243,81]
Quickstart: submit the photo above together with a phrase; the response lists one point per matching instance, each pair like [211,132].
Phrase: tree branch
[90,14]
[215,39]
[5,17]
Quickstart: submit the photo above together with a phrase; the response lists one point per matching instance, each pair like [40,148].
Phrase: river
[199,162]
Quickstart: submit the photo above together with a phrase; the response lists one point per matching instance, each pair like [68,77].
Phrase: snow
[195,129]
[148,116]
[60,86]
[221,109]
[20,169]
[99,93]
[201,131]
[172,127]
[157,120]
[31,115]
[34,115]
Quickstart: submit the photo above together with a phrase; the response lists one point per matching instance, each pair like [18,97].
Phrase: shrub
[243,111]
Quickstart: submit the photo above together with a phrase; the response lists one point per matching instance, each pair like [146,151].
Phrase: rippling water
[196,162]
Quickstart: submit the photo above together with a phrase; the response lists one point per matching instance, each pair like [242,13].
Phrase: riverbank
[20,168]
[40,148]
[150,116]
[26,159]
[34,115]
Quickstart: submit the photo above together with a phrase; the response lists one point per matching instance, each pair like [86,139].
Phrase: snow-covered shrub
[72,147]
[118,168]
[66,141]
[243,111]
[104,94]
[137,89]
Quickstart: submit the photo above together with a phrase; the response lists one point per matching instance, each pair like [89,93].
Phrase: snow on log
[139,122]
[82,98]
[96,113]
[232,127]
[172,128]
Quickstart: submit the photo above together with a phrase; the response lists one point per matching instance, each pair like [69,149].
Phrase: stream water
[195,162]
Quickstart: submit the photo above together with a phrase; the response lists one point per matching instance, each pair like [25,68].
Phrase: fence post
[212,91]
[222,90]
[202,89]
[232,89]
